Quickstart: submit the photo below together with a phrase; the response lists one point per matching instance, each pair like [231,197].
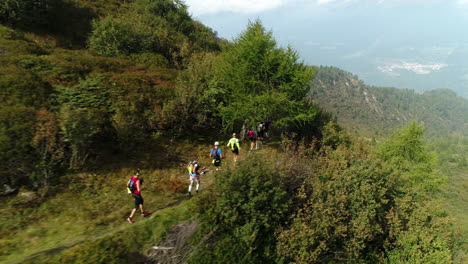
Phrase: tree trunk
[244,128]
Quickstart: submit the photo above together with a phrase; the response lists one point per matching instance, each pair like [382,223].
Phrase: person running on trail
[216,154]
[134,186]
[252,134]
[260,131]
[194,173]
[235,147]
[266,127]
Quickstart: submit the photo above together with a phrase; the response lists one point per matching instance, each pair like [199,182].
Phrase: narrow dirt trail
[59,249]
[207,180]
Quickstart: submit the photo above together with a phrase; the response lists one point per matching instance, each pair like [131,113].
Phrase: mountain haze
[411,44]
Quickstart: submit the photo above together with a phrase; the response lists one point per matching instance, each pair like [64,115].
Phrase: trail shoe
[145,213]
[130,220]
[189,194]
[196,191]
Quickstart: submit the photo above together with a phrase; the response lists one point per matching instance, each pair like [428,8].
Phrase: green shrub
[10,34]
[251,202]
[17,155]
[115,37]
[85,118]
[150,60]
[343,220]
[70,66]
[15,47]
[21,86]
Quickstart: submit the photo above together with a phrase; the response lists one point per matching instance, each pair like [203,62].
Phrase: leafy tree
[49,144]
[250,80]
[84,118]
[407,151]
[419,232]
[260,80]
[426,237]
[333,135]
[196,104]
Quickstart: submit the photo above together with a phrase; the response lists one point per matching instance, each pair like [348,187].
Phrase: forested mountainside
[92,90]
[375,111]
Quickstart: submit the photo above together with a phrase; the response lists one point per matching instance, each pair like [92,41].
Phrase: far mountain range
[372,111]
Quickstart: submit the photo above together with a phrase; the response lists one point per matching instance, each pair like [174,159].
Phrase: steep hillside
[374,111]
[78,85]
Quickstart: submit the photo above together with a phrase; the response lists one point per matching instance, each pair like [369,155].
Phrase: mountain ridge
[359,106]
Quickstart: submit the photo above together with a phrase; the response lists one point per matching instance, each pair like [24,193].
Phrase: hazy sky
[417,44]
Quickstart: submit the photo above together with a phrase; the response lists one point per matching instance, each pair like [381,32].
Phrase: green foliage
[115,37]
[452,153]
[14,47]
[196,102]
[138,100]
[71,66]
[251,80]
[407,151]
[342,204]
[151,60]
[333,135]
[20,86]
[427,238]
[251,202]
[10,34]
[343,218]
[260,80]
[49,144]
[406,145]
[90,93]
[419,231]
[67,20]
[84,117]
[17,155]
[162,26]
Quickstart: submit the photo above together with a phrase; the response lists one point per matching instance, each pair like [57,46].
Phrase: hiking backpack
[251,133]
[132,185]
[190,167]
[215,153]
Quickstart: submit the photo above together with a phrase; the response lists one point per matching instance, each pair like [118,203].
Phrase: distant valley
[374,111]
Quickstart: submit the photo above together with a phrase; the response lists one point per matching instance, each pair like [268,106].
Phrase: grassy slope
[77,213]
[92,208]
